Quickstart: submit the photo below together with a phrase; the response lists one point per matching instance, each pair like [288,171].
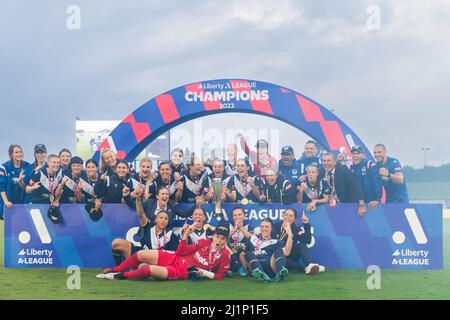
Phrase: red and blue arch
[172,108]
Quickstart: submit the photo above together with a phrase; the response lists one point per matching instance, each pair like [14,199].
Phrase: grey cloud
[388,85]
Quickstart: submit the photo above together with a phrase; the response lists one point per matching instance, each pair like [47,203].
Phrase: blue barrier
[394,236]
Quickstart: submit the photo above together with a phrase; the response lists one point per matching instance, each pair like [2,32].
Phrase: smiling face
[40,156]
[218,168]
[163,196]
[238,215]
[289,215]
[145,167]
[17,154]
[380,154]
[109,159]
[199,218]
[64,158]
[53,164]
[310,150]
[357,157]
[287,159]
[176,157]
[266,229]
[76,169]
[122,170]
[91,169]
[271,177]
[242,168]
[165,171]
[328,162]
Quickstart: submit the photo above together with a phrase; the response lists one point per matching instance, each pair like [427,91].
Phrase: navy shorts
[135,248]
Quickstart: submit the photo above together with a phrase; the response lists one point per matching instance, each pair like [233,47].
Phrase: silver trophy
[217,196]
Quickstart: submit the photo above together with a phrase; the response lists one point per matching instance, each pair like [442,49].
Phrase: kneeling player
[152,236]
[210,258]
[266,257]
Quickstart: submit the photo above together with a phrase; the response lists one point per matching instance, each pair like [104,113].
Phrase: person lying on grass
[209,258]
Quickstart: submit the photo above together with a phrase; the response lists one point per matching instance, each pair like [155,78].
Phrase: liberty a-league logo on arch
[409,256]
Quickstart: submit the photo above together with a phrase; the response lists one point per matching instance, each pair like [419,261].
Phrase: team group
[204,250]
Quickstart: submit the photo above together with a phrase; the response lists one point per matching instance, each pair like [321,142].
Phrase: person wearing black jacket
[276,189]
[110,189]
[298,259]
[345,188]
[70,187]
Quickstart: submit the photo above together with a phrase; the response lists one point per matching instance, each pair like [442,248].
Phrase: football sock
[253,261]
[141,273]
[117,256]
[235,264]
[128,263]
[280,260]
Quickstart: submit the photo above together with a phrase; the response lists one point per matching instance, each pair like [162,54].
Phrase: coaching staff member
[345,188]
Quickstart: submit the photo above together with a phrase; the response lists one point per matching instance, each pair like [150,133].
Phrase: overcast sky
[389,85]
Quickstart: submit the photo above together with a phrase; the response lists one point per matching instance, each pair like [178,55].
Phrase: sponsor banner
[394,236]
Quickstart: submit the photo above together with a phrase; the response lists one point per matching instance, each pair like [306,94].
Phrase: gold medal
[244,201]
[206,227]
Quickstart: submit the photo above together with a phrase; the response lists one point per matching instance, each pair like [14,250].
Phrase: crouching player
[151,235]
[298,259]
[266,257]
[210,258]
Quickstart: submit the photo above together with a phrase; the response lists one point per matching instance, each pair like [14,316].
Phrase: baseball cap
[287,150]
[40,148]
[76,160]
[356,149]
[261,143]
[223,229]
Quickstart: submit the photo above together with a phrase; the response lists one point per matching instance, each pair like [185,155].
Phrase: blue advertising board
[394,236]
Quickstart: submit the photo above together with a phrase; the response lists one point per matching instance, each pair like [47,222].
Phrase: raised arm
[59,190]
[183,248]
[140,211]
[245,232]
[288,247]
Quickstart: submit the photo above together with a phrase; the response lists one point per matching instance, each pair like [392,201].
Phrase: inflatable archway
[200,99]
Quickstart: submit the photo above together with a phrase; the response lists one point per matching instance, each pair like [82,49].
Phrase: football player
[210,258]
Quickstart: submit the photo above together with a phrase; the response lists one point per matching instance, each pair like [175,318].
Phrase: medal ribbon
[211,263]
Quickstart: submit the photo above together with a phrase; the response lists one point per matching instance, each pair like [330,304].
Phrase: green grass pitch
[333,284]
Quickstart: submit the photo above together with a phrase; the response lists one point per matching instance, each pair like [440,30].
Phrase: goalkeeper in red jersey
[210,258]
